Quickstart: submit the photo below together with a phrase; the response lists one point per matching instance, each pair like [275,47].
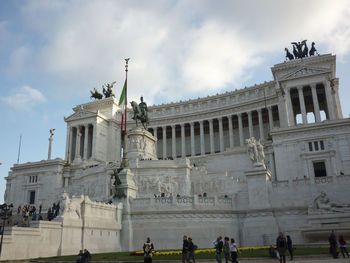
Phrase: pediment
[305,72]
[83,114]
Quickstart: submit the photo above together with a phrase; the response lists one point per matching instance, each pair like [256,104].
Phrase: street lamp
[5,211]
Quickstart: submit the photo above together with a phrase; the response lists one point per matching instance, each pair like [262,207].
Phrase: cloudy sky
[53,52]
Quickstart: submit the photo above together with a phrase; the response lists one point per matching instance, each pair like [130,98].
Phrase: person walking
[191,249]
[147,251]
[234,250]
[185,250]
[342,245]
[218,248]
[333,245]
[226,249]
[290,247]
[281,244]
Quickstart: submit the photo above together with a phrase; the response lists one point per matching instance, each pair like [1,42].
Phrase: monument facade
[246,164]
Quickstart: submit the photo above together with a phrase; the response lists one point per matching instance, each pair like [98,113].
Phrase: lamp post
[5,211]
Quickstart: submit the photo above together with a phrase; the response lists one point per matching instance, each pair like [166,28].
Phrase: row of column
[211,133]
[78,143]
[315,101]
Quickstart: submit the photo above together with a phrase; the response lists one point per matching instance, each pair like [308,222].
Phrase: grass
[125,256]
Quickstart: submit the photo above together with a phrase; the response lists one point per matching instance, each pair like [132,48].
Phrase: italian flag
[122,104]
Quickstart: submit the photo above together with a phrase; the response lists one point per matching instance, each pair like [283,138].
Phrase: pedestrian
[40,208]
[191,249]
[342,245]
[185,250]
[147,251]
[226,249]
[290,247]
[86,256]
[234,250]
[218,248]
[80,257]
[333,245]
[281,244]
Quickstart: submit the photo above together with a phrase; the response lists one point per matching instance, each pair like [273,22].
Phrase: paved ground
[310,259]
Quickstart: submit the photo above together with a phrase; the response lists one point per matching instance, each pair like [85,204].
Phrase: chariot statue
[96,94]
[301,50]
[140,112]
[107,90]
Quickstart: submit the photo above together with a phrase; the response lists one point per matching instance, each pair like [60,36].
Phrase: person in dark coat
[185,250]
[281,244]
[333,245]
[191,249]
[290,247]
[218,248]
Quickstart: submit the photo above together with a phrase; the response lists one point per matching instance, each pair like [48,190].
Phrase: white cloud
[175,48]
[25,98]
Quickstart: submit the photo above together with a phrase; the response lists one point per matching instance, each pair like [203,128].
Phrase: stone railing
[323,180]
[185,201]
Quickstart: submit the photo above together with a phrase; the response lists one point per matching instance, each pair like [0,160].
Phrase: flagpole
[125,162]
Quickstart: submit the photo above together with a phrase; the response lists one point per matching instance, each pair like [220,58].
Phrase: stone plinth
[257,179]
[141,145]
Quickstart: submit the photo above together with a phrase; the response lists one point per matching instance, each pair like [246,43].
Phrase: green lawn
[125,256]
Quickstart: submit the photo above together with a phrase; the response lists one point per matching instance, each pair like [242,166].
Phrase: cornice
[43,163]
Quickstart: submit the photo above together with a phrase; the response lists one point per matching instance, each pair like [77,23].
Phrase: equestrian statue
[140,112]
[95,94]
[301,50]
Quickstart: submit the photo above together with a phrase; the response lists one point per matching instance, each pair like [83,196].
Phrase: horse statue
[288,54]
[95,94]
[108,92]
[140,113]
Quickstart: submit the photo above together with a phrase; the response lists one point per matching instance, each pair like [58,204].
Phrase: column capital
[210,120]
[313,85]
[239,114]
[173,126]
[182,124]
[220,119]
[249,113]
[191,124]
[201,122]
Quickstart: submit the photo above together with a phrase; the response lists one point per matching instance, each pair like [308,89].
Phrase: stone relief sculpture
[256,152]
[322,204]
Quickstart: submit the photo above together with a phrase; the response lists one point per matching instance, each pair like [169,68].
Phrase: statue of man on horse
[140,112]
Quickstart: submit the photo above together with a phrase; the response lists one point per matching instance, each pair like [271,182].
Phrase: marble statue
[323,204]
[256,152]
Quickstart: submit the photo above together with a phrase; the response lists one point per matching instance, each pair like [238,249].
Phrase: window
[316,146]
[320,169]
[310,146]
[31,197]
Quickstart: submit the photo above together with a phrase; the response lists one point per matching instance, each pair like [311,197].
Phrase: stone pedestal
[141,145]
[257,179]
[130,189]
[259,227]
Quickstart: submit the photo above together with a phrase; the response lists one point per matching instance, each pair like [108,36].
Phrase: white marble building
[195,154]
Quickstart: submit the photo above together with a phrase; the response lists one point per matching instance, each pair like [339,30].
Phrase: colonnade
[221,143]
[328,105]
[80,142]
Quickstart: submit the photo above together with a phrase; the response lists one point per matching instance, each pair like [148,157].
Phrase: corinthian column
[173,132]
[240,128]
[193,153]
[183,144]
[315,102]
[221,135]
[250,124]
[230,130]
[261,125]
[86,142]
[211,135]
[302,104]
[201,131]
[164,143]
[77,145]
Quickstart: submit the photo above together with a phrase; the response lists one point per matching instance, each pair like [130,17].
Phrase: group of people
[29,212]
[53,211]
[228,247]
[84,256]
[282,245]
[334,245]
[188,248]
